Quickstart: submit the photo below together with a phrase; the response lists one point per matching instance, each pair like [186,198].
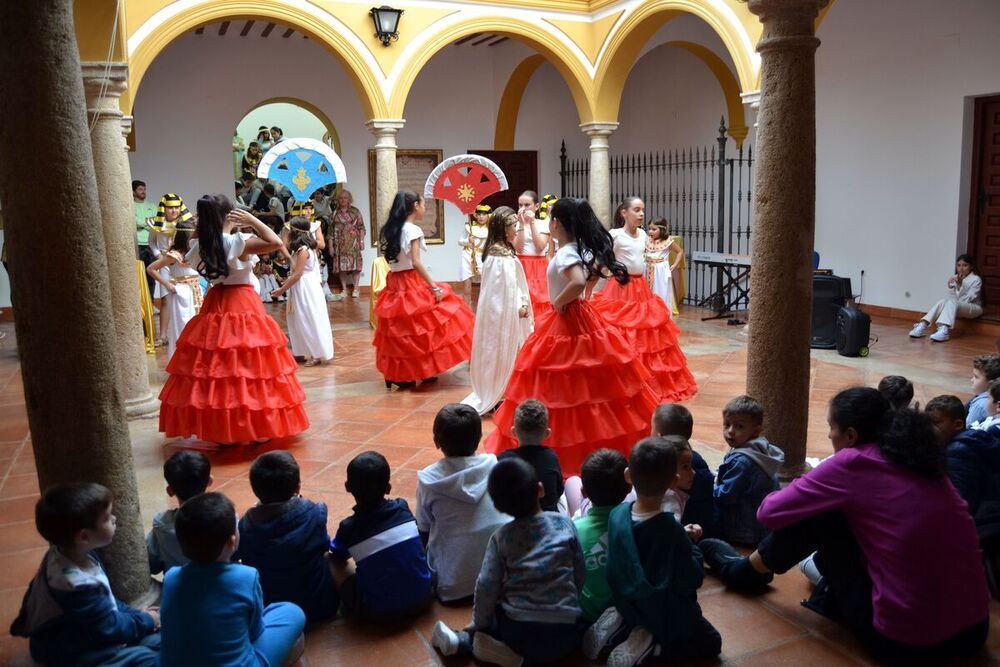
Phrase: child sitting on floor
[379,565]
[527,604]
[69,613]
[973,456]
[985,369]
[284,536]
[654,572]
[531,426]
[188,473]
[748,472]
[675,419]
[897,390]
[213,610]
[455,515]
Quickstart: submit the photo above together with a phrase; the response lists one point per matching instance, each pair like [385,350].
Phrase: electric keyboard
[720,258]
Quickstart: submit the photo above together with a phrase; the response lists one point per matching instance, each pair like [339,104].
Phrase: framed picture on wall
[413,166]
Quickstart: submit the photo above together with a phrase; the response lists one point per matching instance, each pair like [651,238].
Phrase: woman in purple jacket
[894,542]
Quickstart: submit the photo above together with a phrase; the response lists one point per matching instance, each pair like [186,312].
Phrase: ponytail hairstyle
[390,236]
[497,232]
[183,232]
[618,219]
[301,234]
[593,241]
[910,441]
[213,264]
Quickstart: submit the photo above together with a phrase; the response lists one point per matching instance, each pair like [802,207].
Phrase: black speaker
[830,294]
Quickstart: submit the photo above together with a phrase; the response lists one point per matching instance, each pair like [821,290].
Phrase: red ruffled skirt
[587,374]
[538,286]
[416,337]
[645,318]
[232,378]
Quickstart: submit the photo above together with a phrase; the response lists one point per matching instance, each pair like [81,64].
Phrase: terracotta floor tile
[745,625]
[16,570]
[793,654]
[16,486]
[19,536]
[19,509]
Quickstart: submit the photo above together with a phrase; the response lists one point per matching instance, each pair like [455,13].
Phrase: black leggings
[839,559]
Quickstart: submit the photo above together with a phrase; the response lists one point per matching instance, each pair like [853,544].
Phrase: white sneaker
[357,293]
[941,335]
[637,647]
[599,637]
[492,650]
[919,330]
[809,569]
[444,639]
[335,297]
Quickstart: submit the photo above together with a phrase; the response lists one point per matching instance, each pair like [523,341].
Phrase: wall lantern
[386,21]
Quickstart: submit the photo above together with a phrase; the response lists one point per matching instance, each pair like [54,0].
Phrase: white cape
[499,332]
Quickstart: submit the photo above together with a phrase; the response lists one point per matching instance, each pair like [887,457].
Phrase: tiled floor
[351,412]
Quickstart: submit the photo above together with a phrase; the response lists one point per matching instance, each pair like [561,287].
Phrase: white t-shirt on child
[404,261]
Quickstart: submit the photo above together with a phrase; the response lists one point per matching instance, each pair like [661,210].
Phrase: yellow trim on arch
[308,106]
[510,102]
[556,52]
[727,81]
[365,83]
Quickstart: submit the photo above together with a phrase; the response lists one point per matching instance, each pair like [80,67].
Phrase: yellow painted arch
[559,54]
[510,102]
[308,106]
[635,30]
[337,44]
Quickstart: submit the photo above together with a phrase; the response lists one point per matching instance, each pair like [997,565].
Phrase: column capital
[766,9]
[109,77]
[127,123]
[385,126]
[788,24]
[752,99]
[599,128]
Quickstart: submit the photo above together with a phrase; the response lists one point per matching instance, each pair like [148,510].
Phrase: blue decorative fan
[303,165]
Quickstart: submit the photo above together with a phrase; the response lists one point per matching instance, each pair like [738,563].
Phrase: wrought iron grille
[705,196]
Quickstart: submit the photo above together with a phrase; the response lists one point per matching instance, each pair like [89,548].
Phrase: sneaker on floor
[604,634]
[809,569]
[492,650]
[356,293]
[638,647]
[733,568]
[919,330]
[941,335]
[444,639]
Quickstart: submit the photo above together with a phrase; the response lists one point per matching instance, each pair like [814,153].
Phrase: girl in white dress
[169,212]
[308,319]
[659,269]
[472,241]
[182,286]
[504,317]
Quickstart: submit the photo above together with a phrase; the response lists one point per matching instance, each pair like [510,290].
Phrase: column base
[789,472]
[143,407]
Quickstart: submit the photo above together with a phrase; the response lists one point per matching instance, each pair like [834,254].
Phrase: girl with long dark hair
[642,315]
[587,373]
[424,328]
[232,378]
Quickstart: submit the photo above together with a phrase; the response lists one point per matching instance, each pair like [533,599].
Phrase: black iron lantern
[386,23]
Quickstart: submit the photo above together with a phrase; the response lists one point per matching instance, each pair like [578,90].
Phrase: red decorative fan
[465,181]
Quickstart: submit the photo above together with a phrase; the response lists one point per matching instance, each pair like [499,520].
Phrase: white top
[969,292]
[529,243]
[566,257]
[630,251]
[410,232]
[240,271]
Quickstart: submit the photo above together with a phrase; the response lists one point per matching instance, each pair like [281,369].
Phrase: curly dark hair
[593,240]
[390,236]
[909,441]
[897,390]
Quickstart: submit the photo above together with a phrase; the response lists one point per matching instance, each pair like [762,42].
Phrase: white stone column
[386,183]
[600,168]
[103,85]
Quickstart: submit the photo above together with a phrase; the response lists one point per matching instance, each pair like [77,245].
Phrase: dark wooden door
[984,209]
[521,169]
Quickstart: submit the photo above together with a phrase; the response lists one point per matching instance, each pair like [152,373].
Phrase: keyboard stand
[724,297]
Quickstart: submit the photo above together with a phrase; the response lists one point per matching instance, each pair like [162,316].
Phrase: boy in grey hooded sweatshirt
[748,473]
[455,515]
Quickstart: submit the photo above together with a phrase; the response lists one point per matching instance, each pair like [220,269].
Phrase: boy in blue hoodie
[188,473]
[654,572]
[455,515]
[748,472]
[985,369]
[69,613]
[973,456]
[284,536]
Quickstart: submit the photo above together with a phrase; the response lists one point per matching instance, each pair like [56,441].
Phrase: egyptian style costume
[472,241]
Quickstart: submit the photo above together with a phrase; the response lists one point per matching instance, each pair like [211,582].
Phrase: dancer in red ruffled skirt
[582,368]
[643,315]
[531,246]
[424,328]
[232,378]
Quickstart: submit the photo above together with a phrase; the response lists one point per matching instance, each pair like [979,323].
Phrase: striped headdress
[159,223]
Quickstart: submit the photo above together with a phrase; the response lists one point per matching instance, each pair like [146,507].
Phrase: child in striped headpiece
[169,212]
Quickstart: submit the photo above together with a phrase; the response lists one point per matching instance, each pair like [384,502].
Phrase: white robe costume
[307,315]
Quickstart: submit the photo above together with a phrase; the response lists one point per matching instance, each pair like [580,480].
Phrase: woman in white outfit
[504,317]
[181,286]
[965,299]
[307,316]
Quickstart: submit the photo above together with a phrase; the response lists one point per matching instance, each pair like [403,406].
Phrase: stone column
[600,168]
[103,84]
[386,184]
[65,328]
[784,224]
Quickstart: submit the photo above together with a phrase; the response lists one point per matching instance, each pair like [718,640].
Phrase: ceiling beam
[483,39]
[223,28]
[289,33]
[267,30]
[246,29]
[498,40]
[467,38]
[200,30]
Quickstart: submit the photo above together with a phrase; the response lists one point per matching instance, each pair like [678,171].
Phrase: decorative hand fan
[465,181]
[304,165]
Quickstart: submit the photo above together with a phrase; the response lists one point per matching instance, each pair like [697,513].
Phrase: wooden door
[521,169]
[984,208]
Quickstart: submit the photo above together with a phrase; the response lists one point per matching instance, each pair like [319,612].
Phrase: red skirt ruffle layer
[416,337]
[645,319]
[232,378]
[538,285]
[587,374]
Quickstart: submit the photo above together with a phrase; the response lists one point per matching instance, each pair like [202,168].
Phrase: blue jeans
[283,623]
[144,654]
